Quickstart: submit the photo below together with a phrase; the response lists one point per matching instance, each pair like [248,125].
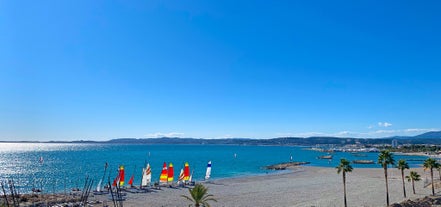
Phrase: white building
[394,143]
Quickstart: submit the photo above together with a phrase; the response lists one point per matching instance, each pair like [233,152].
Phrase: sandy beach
[303,186]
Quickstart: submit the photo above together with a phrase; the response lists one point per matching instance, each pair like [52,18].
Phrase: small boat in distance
[325,157]
[363,162]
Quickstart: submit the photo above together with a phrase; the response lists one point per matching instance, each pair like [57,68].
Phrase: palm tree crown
[402,165]
[413,176]
[199,196]
[386,158]
[344,166]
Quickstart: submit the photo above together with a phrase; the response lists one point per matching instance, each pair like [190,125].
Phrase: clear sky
[97,70]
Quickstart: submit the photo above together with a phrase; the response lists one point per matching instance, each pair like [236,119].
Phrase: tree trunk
[344,188]
[404,186]
[413,186]
[433,186]
[387,188]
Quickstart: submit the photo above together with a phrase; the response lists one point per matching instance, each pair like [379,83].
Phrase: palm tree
[413,177]
[344,167]
[199,196]
[431,163]
[386,158]
[402,165]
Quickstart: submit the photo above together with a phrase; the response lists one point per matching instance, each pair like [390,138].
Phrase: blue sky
[99,70]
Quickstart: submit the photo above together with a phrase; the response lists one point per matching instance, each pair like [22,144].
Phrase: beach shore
[303,186]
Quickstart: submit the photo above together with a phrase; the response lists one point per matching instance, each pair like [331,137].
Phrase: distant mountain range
[433,137]
[426,138]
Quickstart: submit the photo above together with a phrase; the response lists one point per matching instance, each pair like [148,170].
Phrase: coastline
[298,186]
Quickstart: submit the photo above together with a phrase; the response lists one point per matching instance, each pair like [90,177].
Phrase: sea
[57,167]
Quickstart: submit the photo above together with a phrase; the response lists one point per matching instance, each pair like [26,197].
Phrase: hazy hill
[426,138]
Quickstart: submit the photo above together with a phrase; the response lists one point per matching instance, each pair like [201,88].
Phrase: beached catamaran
[98,187]
[186,172]
[208,172]
[146,176]
[170,174]
[181,177]
[119,180]
[164,174]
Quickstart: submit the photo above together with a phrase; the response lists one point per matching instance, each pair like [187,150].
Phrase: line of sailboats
[166,178]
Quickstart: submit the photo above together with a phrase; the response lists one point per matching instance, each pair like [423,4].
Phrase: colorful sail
[170,175]
[115,181]
[121,175]
[131,180]
[146,176]
[208,172]
[181,176]
[163,177]
[186,171]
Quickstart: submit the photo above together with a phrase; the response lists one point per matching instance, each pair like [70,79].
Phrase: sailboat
[181,178]
[208,172]
[170,174]
[131,179]
[119,180]
[164,174]
[98,187]
[186,172]
[121,176]
[146,176]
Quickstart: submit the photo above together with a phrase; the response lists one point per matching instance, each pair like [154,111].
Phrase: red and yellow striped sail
[164,174]
[170,175]
[186,171]
[121,175]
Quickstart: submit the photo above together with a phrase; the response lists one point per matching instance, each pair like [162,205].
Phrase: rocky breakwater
[428,201]
[284,165]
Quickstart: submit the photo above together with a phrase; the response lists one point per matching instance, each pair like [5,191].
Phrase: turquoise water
[69,164]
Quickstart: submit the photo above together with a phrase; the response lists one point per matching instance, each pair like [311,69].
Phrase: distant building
[394,143]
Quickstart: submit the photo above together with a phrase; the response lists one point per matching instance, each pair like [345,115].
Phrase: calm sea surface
[69,164]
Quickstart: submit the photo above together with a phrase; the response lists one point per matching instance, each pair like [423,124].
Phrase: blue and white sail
[208,173]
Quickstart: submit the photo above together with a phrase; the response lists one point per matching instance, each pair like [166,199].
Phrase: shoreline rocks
[284,165]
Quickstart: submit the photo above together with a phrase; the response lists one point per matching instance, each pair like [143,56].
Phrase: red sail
[170,174]
[186,171]
[121,175]
[131,181]
[163,177]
